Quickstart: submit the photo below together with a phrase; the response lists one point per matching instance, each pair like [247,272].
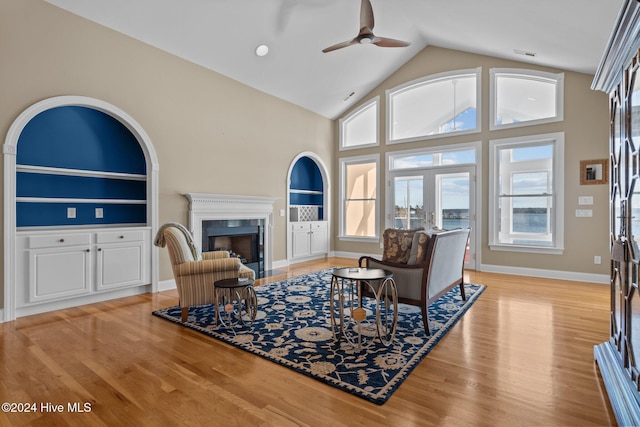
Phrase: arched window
[361,127]
[446,103]
[525,97]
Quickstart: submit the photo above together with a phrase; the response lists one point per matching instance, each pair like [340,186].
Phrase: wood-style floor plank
[522,355]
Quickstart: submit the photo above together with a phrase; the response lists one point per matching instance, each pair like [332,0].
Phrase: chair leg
[185,314]
[464,295]
[425,320]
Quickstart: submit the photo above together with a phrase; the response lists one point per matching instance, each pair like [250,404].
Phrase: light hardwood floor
[522,355]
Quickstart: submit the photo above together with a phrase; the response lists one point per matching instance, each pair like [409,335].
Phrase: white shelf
[70,200]
[305,191]
[80,172]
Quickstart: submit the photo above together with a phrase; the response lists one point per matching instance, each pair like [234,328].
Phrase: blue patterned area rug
[293,328]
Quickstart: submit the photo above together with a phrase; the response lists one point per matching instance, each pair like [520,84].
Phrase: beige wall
[215,135]
[211,134]
[586,131]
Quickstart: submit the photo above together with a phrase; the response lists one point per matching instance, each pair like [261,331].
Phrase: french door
[441,197]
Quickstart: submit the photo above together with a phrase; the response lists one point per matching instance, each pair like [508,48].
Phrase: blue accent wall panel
[305,199]
[75,137]
[77,187]
[305,175]
[55,214]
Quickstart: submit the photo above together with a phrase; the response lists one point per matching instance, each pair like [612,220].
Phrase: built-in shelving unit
[77,166]
[308,232]
[80,206]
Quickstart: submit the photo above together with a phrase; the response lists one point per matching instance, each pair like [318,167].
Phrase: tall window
[525,97]
[359,202]
[527,193]
[361,127]
[446,103]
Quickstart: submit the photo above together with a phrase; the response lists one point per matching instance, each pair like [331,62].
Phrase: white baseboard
[354,255]
[283,263]
[547,274]
[166,285]
[2,315]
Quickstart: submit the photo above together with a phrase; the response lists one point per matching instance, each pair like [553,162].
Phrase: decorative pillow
[397,244]
[419,248]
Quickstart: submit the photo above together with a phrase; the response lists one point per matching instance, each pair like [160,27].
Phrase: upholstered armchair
[425,265]
[195,272]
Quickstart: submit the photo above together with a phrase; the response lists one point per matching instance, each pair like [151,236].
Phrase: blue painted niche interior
[306,176]
[81,138]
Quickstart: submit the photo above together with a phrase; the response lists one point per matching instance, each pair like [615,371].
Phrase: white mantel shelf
[207,207]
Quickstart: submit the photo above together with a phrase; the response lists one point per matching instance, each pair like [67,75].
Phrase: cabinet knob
[121,237]
[88,250]
[99,249]
[61,240]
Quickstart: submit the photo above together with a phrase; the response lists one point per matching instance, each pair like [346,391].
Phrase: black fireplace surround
[243,239]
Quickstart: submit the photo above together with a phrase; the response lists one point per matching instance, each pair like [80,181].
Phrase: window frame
[526,74]
[389,93]
[344,162]
[557,218]
[344,121]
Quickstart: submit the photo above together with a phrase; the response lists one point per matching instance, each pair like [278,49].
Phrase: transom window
[525,97]
[446,103]
[425,158]
[527,193]
[361,127]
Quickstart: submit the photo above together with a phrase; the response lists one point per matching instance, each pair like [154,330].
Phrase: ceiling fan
[366,36]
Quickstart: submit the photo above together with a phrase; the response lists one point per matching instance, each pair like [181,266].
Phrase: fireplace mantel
[206,207]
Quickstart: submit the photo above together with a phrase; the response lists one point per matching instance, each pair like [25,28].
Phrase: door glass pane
[409,205]
[452,201]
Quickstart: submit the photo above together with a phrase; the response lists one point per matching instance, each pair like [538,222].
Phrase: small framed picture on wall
[594,172]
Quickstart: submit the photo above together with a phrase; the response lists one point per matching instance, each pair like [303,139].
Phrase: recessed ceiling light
[262,50]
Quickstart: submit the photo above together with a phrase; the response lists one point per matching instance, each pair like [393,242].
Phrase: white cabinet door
[319,238]
[120,265]
[57,273]
[300,243]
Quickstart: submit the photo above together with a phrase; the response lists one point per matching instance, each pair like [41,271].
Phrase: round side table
[346,293]
[235,296]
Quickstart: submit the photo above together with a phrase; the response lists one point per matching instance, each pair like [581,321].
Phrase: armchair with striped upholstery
[195,272]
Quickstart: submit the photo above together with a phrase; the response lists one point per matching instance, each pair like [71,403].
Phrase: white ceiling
[222,35]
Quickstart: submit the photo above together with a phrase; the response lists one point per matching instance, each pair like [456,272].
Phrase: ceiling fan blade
[340,45]
[386,42]
[366,15]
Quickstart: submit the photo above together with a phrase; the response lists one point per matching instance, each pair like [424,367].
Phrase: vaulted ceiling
[223,35]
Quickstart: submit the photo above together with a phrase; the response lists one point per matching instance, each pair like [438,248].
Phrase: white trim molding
[547,274]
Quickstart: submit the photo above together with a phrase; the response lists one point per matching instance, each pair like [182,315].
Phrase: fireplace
[240,224]
[243,239]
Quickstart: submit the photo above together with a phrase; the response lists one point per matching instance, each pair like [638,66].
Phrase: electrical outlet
[99,213]
[597,259]
[585,200]
[584,213]
[71,212]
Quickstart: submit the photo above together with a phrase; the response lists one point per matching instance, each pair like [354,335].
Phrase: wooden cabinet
[72,264]
[619,75]
[309,239]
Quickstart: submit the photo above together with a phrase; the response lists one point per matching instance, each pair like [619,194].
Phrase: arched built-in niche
[308,207]
[123,189]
